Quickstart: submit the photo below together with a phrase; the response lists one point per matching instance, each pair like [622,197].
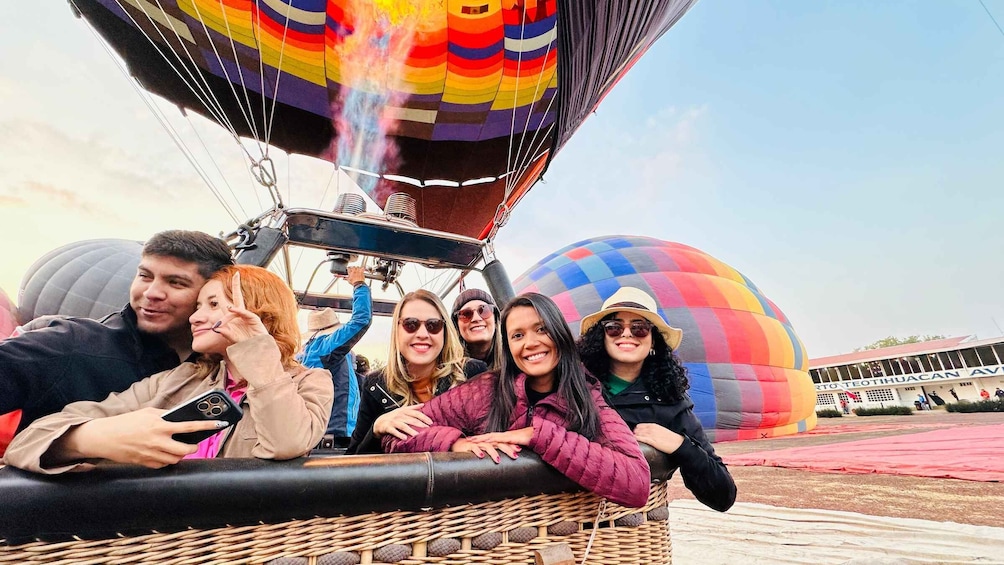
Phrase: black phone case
[210,405]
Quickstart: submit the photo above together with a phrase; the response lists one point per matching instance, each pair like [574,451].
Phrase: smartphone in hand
[210,405]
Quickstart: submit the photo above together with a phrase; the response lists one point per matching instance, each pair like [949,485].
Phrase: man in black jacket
[75,359]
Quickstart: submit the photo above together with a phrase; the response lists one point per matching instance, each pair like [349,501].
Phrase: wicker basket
[505,531]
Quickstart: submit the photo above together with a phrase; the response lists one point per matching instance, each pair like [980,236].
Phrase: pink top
[209,448]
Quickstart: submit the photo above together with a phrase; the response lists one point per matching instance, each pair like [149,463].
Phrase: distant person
[844,406]
[937,399]
[74,359]
[425,360]
[922,401]
[1000,394]
[476,317]
[629,346]
[362,366]
[246,333]
[954,394]
[984,394]
[328,346]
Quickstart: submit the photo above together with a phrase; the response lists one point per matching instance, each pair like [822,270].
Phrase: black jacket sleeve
[31,365]
[703,471]
[474,367]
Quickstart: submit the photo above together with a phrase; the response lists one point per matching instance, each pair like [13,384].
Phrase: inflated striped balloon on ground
[747,368]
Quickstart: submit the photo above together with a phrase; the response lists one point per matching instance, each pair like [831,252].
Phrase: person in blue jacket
[629,347]
[328,346]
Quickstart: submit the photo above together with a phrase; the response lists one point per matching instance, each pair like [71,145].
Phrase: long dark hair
[662,373]
[572,380]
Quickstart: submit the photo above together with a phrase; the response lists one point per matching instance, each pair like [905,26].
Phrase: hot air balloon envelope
[459,104]
[88,279]
[747,368]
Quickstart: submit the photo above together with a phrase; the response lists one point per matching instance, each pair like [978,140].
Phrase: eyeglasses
[639,328]
[433,325]
[467,314]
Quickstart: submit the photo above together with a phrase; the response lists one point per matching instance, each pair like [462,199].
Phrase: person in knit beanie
[476,317]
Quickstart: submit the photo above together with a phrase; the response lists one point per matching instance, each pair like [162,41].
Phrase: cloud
[11,201]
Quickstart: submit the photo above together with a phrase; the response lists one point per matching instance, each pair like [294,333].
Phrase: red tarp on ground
[974,453]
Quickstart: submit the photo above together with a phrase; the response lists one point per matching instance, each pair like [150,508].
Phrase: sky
[844,156]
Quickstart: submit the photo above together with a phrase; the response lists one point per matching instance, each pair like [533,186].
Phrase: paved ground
[943,500]
[787,516]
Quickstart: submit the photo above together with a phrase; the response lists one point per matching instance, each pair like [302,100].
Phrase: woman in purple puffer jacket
[543,399]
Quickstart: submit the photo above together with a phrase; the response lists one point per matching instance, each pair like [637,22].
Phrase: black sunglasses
[639,328]
[467,314]
[411,325]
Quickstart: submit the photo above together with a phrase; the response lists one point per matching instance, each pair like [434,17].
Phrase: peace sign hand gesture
[239,324]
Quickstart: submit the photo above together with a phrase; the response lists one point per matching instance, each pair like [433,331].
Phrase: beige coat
[285,414]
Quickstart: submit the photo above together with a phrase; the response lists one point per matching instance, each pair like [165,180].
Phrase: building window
[879,395]
[824,399]
[970,358]
[925,361]
[950,359]
[999,349]
[815,376]
[875,368]
[845,375]
[987,357]
[890,368]
[911,365]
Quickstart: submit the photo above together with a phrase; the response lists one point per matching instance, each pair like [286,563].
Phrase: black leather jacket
[702,470]
[72,359]
[376,401]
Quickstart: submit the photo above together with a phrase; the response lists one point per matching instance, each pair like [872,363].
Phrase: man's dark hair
[210,253]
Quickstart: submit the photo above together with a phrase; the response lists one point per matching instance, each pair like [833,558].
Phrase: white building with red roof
[943,370]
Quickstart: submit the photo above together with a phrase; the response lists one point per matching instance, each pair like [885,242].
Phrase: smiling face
[626,351]
[420,349]
[210,308]
[163,295]
[531,346]
[480,327]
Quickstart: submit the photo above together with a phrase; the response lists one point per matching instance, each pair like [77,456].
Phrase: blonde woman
[425,360]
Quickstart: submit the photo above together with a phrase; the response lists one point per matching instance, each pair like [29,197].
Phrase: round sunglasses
[433,325]
[639,328]
[484,310]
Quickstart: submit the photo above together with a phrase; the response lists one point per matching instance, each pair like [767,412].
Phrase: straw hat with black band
[321,322]
[636,301]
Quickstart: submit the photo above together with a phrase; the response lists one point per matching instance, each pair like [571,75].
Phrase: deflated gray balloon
[89,279]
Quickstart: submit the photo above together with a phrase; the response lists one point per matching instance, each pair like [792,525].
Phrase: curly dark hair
[663,374]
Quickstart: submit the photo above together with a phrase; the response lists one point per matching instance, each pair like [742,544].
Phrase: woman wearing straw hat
[476,317]
[647,385]
[425,360]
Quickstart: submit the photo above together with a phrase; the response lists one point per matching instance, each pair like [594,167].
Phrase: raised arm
[290,413]
[339,342]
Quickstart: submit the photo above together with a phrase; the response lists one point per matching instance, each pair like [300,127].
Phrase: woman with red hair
[245,329]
